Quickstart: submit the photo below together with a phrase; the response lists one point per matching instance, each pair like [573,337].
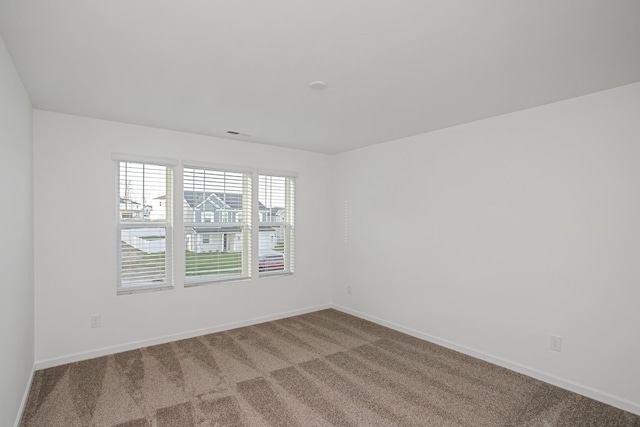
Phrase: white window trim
[175,229]
[223,167]
[247,267]
[290,247]
[168,283]
[134,158]
[275,172]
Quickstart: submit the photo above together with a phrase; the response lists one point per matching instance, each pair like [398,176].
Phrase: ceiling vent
[233,132]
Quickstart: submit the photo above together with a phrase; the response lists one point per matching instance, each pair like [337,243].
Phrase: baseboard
[513,366]
[25,398]
[76,357]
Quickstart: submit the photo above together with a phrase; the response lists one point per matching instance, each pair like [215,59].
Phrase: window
[218,207]
[217,204]
[144,226]
[276,196]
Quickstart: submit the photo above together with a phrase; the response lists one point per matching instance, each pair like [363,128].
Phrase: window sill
[125,291]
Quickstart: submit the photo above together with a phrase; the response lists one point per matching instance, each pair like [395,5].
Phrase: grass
[206,263]
[139,264]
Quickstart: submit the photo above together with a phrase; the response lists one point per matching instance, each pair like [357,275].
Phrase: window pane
[217,233]
[272,198]
[142,256]
[218,254]
[144,211]
[271,249]
[276,212]
[143,192]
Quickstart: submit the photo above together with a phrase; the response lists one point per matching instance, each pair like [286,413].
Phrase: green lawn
[196,264]
[138,265]
[199,264]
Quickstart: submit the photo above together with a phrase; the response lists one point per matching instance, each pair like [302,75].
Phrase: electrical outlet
[555,343]
[96,321]
[348,290]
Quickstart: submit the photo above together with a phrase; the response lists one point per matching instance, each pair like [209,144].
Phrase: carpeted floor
[320,369]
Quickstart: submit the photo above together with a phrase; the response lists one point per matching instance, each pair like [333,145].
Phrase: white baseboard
[604,397]
[76,357]
[25,398]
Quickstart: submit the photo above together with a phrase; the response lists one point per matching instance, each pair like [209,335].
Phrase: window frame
[288,225]
[175,228]
[168,279]
[245,224]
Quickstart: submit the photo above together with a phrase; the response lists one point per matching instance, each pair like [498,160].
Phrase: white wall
[16,244]
[73,167]
[504,231]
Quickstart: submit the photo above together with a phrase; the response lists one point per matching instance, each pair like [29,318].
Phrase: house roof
[128,201]
[212,230]
[209,201]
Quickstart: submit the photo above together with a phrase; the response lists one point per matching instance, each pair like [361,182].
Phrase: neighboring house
[130,209]
[213,207]
[214,210]
[157,209]
[149,240]
[212,223]
[272,215]
[213,239]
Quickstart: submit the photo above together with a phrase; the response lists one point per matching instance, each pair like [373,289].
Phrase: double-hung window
[276,213]
[144,204]
[217,224]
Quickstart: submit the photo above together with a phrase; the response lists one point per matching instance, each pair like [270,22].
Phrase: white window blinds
[217,225]
[276,211]
[144,226]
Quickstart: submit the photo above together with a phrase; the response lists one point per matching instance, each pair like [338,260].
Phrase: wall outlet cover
[555,343]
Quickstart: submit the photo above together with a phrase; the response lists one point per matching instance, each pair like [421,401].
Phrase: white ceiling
[394,68]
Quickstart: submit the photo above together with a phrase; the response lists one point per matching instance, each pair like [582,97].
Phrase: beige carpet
[320,369]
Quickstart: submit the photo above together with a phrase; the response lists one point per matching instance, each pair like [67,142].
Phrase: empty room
[319,213]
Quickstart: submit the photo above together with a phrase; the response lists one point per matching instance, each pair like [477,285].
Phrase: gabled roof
[128,201]
[210,201]
[213,230]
